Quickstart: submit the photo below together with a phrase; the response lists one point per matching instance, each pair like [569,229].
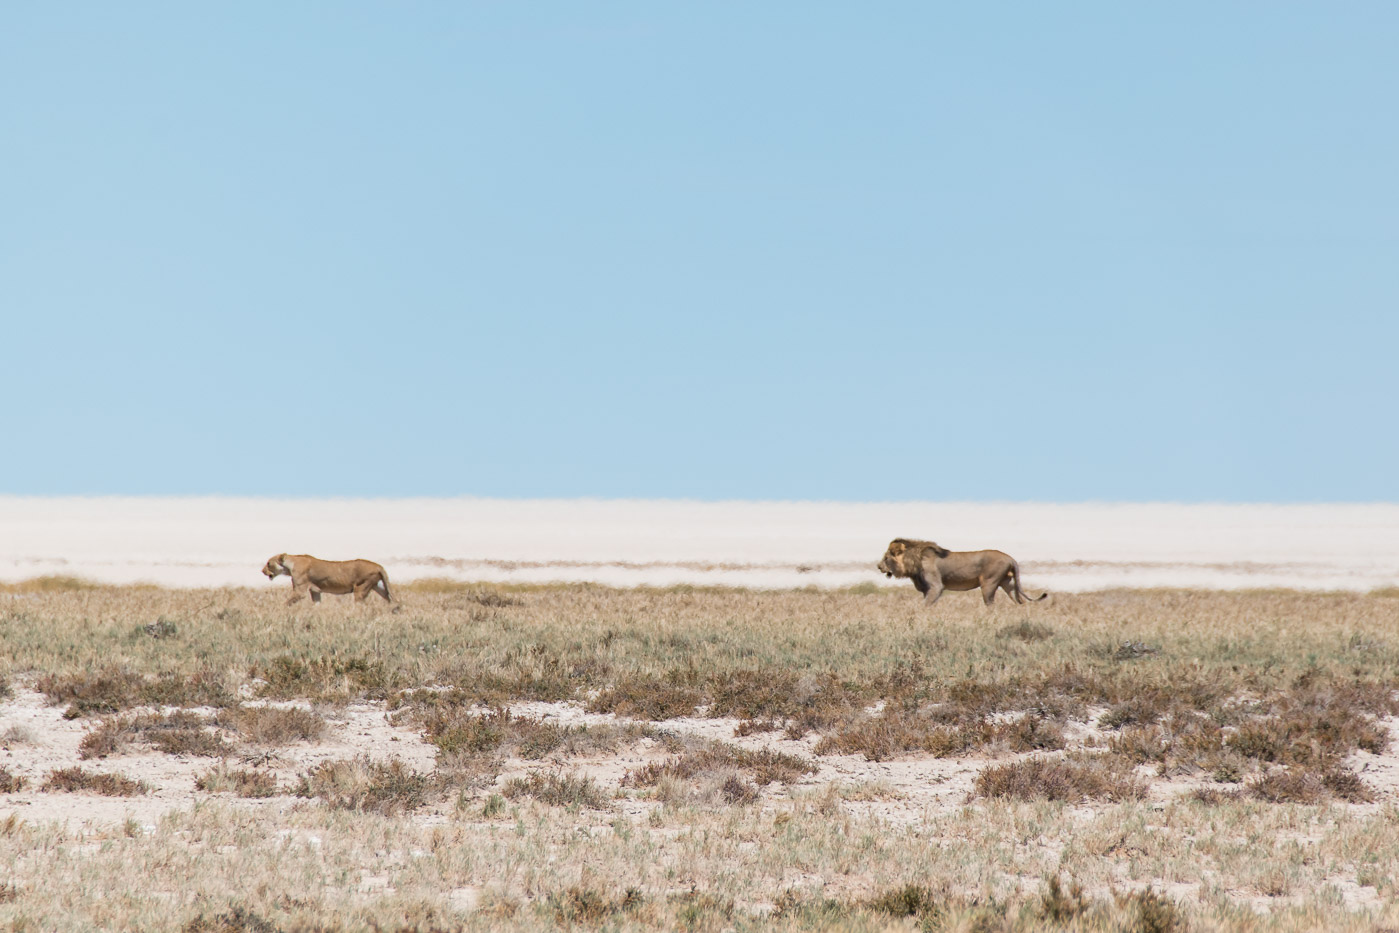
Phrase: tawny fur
[337,577]
[934,569]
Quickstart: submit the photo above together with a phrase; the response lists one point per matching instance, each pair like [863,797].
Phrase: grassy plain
[1149,760]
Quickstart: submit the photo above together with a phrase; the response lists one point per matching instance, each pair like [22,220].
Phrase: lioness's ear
[938,549]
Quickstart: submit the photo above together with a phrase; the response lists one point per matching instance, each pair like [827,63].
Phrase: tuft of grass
[763,767]
[75,780]
[10,783]
[114,689]
[50,583]
[366,786]
[1025,631]
[177,733]
[1059,906]
[237,920]
[910,900]
[1040,778]
[324,678]
[223,779]
[271,726]
[592,908]
[1300,785]
[559,790]
[1152,912]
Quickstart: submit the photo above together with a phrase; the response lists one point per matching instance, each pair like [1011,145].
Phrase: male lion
[934,569]
[337,577]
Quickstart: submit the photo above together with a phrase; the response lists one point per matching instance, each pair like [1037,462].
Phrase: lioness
[934,569]
[337,577]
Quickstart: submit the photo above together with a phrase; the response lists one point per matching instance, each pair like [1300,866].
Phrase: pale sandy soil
[211,542]
[922,786]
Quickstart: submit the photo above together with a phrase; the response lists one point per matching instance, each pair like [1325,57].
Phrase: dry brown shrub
[910,900]
[900,730]
[273,726]
[237,920]
[1040,778]
[644,697]
[1060,906]
[10,783]
[1305,786]
[560,790]
[1151,912]
[1026,631]
[113,690]
[242,783]
[176,733]
[1290,786]
[327,678]
[1029,733]
[458,733]
[764,766]
[592,908]
[73,780]
[364,785]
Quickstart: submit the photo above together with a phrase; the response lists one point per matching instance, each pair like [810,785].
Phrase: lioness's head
[275,567]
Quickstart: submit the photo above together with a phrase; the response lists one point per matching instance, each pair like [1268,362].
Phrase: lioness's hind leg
[988,591]
[1008,584]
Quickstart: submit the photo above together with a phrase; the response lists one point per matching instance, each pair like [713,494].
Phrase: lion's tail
[1020,596]
[384,579]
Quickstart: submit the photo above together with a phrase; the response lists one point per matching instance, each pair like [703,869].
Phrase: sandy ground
[208,542]
[919,785]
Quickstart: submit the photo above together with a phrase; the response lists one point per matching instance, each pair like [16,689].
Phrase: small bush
[366,786]
[10,783]
[178,733]
[113,690]
[764,767]
[73,780]
[274,727]
[1026,631]
[1094,778]
[243,783]
[323,678]
[558,790]
[1154,913]
[237,920]
[590,908]
[648,698]
[911,900]
[1059,906]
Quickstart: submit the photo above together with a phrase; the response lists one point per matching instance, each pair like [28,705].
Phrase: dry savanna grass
[1124,760]
[78,780]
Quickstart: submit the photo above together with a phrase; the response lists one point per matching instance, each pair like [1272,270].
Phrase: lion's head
[904,555]
[276,566]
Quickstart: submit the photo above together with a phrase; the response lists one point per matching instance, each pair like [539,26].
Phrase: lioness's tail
[1020,596]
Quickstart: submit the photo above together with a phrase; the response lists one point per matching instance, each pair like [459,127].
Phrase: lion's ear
[938,549]
[897,546]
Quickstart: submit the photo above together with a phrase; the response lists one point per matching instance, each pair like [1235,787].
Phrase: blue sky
[1052,252]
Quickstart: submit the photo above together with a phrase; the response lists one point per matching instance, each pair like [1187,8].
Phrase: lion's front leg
[933,592]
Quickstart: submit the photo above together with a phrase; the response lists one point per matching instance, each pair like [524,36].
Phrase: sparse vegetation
[76,780]
[560,790]
[366,786]
[1253,715]
[224,779]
